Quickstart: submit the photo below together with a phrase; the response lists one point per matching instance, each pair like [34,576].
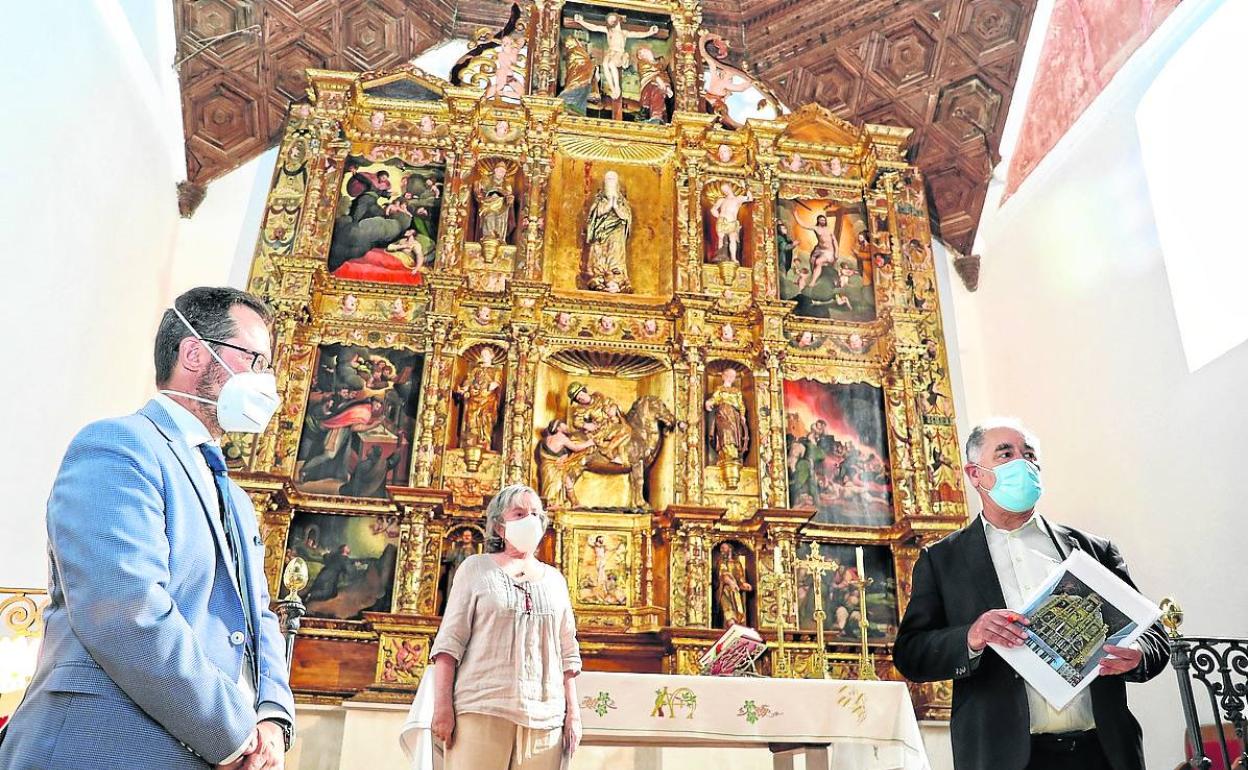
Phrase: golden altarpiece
[711,340]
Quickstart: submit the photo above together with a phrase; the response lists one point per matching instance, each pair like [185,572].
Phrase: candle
[775,557]
[862,573]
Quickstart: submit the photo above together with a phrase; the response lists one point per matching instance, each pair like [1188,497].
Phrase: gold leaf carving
[602,148]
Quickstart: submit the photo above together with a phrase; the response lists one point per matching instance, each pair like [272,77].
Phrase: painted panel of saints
[602,572]
[351,562]
[357,430]
[386,227]
[841,600]
[825,259]
[837,452]
[615,65]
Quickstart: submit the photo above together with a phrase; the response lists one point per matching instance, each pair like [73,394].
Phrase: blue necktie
[229,520]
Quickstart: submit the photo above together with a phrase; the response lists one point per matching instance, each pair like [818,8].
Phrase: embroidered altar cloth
[864,725]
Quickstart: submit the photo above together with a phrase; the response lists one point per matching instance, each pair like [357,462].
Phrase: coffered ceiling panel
[946,68]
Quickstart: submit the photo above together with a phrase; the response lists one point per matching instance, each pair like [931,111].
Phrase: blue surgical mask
[1018,485]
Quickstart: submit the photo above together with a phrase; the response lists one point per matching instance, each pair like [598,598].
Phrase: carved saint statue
[729,433]
[727,214]
[615,60]
[578,75]
[731,585]
[561,460]
[480,392]
[460,546]
[607,228]
[656,86]
[594,416]
[495,199]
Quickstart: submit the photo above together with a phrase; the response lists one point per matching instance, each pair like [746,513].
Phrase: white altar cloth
[863,725]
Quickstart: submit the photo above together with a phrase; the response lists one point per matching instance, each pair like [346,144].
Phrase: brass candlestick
[866,665]
[817,564]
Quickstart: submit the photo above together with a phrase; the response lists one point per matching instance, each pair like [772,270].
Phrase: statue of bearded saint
[480,391]
[495,197]
[607,228]
[595,417]
[731,585]
[729,433]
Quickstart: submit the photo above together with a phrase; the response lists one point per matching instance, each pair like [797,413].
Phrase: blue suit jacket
[142,653]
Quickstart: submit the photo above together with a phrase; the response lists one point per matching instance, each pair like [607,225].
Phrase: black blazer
[954,583]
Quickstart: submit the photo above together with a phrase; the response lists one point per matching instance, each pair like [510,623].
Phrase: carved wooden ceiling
[946,68]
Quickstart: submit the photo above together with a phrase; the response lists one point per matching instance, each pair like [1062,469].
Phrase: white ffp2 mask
[247,401]
[524,534]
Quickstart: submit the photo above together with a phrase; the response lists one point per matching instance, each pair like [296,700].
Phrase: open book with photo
[1081,607]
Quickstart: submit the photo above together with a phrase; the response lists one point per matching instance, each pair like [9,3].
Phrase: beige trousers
[493,743]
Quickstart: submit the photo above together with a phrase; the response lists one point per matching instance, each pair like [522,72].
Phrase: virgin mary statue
[606,234]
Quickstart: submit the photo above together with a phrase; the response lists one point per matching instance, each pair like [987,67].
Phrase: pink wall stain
[1087,42]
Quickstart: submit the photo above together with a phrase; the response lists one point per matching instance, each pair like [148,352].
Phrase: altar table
[837,724]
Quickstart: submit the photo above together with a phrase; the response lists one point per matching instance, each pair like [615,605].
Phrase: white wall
[88,220]
[93,246]
[1073,329]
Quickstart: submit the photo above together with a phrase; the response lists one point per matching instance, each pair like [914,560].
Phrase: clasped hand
[265,750]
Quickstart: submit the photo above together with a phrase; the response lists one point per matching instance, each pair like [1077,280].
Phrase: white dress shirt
[194,434]
[1023,558]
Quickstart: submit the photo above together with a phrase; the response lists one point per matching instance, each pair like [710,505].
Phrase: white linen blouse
[513,642]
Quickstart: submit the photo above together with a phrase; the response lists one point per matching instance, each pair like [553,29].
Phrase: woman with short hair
[506,657]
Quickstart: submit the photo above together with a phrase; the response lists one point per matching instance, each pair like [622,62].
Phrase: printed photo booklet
[1081,607]
[734,653]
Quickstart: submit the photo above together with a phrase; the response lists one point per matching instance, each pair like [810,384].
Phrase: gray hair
[499,505]
[975,442]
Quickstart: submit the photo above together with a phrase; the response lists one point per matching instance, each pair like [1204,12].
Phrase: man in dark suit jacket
[960,588]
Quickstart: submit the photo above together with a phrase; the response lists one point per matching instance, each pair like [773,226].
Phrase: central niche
[611,230]
[603,422]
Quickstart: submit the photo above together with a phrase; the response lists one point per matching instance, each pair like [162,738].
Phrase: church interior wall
[94,283]
[1073,330]
[89,225]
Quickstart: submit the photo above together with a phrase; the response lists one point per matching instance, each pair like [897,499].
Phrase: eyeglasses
[259,361]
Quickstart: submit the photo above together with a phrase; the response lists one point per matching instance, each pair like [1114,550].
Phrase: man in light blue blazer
[160,650]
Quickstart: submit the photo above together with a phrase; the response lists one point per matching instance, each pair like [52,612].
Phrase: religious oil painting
[602,569]
[457,546]
[351,562]
[357,430]
[616,64]
[837,452]
[825,260]
[386,228]
[840,597]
